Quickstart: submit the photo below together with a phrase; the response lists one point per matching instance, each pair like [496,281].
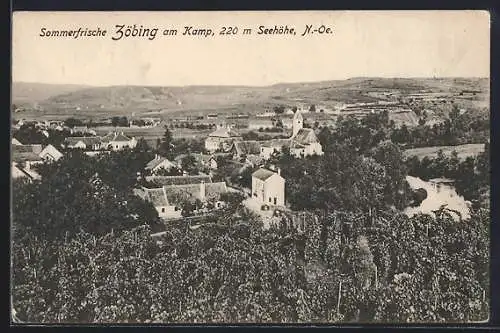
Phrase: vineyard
[344,268]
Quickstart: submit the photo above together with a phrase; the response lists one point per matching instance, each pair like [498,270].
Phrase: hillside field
[463,151]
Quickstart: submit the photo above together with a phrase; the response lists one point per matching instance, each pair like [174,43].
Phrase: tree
[29,134]
[189,164]
[233,200]
[166,144]
[73,122]
[115,121]
[279,109]
[75,193]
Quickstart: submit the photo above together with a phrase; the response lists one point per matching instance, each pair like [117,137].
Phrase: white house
[50,153]
[159,163]
[268,187]
[118,141]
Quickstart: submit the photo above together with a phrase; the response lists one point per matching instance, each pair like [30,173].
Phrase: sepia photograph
[258,167]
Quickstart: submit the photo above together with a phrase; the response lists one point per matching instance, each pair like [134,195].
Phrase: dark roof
[305,136]
[156,161]
[263,174]
[247,147]
[178,180]
[27,149]
[27,156]
[176,194]
[121,137]
[154,195]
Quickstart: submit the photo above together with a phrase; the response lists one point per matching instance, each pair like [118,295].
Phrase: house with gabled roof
[158,163]
[169,200]
[50,153]
[118,141]
[268,187]
[244,148]
[221,139]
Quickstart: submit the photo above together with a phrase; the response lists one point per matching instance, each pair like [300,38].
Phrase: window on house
[117,146]
[176,209]
[163,210]
[269,199]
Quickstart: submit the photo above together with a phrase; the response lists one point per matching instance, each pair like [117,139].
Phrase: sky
[363,44]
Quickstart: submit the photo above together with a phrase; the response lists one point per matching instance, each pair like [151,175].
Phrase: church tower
[297,123]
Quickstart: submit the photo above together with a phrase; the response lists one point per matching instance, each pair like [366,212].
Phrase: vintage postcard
[250,167]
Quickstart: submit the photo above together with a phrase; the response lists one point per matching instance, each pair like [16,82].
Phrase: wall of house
[212,144]
[120,145]
[168,212]
[258,189]
[274,188]
[314,148]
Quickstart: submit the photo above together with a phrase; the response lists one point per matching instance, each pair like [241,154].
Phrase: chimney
[279,171]
[202,190]
[157,157]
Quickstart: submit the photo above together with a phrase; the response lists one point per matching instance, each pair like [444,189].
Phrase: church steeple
[297,123]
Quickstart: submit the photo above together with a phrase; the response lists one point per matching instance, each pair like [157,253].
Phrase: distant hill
[26,92]
[140,99]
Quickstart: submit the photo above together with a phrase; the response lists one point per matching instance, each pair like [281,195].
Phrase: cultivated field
[463,151]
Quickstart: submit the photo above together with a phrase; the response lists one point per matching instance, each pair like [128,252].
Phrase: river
[436,197]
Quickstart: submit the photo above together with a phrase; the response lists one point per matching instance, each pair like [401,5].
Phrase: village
[168,185]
